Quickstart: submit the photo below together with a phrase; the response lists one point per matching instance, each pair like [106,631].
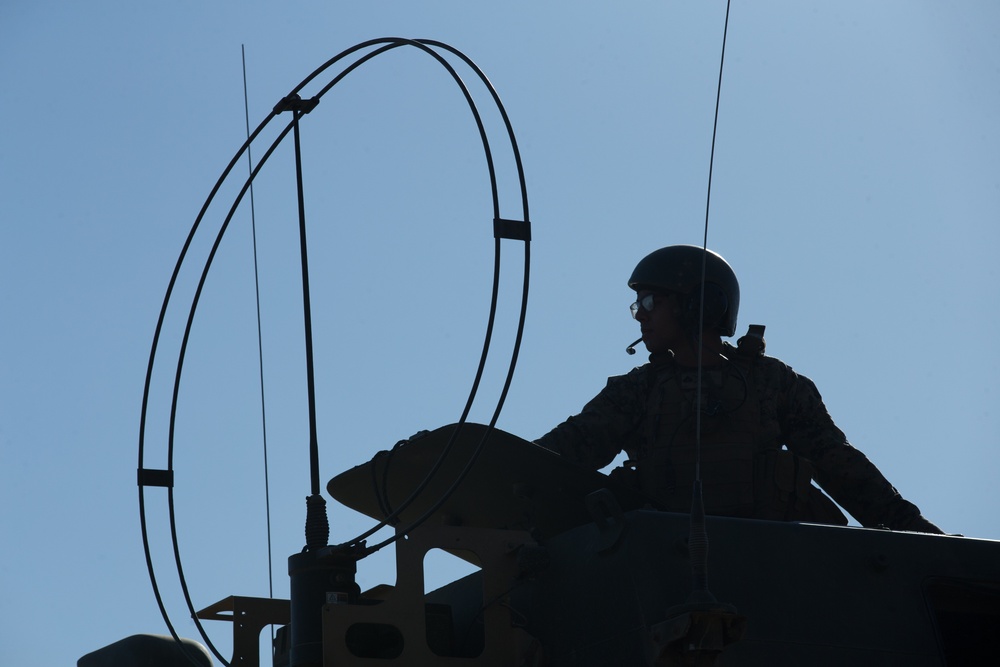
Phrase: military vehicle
[577,570]
[574,569]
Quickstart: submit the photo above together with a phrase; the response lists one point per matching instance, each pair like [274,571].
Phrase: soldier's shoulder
[775,373]
[639,378]
[783,378]
[774,364]
[638,375]
[762,363]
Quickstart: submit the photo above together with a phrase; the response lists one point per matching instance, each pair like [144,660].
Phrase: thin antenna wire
[698,539]
[260,338]
[704,255]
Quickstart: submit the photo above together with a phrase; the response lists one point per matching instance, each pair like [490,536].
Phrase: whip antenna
[700,628]
[260,338]
[698,542]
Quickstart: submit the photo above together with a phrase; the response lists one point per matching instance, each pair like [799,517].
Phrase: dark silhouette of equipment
[578,570]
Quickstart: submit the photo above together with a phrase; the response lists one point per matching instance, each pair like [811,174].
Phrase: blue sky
[856,193]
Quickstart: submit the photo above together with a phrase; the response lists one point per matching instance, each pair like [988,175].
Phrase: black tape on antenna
[518,230]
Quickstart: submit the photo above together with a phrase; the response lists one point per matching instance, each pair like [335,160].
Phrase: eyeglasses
[646,303]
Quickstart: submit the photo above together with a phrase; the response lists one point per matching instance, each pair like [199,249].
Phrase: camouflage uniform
[765,435]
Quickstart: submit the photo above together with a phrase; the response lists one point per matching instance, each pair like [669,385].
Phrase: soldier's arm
[607,424]
[843,471]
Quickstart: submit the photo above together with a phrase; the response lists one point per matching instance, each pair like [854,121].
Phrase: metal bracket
[295,103]
[249,616]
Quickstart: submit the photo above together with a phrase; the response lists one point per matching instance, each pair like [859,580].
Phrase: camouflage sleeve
[843,471]
[608,423]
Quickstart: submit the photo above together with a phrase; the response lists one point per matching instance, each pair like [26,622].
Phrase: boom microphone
[631,348]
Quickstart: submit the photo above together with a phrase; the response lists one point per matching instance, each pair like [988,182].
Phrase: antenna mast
[701,627]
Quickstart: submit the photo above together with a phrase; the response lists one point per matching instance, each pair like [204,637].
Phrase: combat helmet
[677,268]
